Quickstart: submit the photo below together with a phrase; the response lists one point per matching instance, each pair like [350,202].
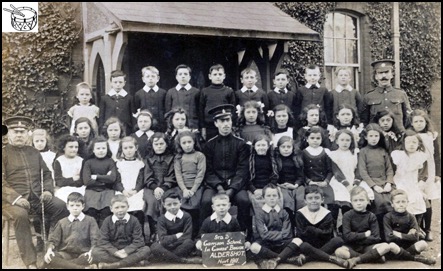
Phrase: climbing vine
[420,42]
[33,65]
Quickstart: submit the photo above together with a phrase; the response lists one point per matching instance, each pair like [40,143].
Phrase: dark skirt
[381,204]
[98,200]
[192,203]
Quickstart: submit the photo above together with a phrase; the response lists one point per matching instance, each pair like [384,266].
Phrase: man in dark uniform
[227,169]
[22,171]
[385,96]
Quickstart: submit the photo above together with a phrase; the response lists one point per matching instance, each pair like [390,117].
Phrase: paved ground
[434,251]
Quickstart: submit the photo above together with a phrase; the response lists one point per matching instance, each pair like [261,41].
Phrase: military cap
[383,64]
[222,111]
[18,122]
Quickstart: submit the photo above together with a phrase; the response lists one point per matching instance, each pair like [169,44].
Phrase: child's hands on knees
[48,256]
[378,189]
[198,245]
[367,233]
[158,193]
[121,254]
[187,193]
[258,194]
[388,188]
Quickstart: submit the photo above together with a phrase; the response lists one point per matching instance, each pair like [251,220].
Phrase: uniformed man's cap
[383,65]
[222,111]
[18,123]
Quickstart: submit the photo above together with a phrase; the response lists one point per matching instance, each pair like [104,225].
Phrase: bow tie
[281,90]
[121,221]
[182,89]
[313,87]
[76,219]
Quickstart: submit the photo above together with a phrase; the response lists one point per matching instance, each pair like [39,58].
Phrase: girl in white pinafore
[67,168]
[130,167]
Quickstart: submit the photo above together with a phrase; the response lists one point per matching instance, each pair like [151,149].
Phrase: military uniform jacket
[227,162]
[390,98]
[22,170]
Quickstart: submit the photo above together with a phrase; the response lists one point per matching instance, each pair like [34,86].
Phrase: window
[341,41]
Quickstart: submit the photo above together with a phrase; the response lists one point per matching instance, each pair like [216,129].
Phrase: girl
[252,122]
[374,167]
[262,169]
[159,176]
[409,160]
[290,176]
[422,124]
[317,166]
[42,142]
[114,131]
[282,123]
[177,121]
[130,167]
[84,107]
[345,118]
[144,123]
[85,133]
[189,168]
[313,115]
[67,168]
[100,177]
[392,134]
[344,167]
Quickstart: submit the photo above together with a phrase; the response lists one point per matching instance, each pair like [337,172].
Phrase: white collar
[277,90]
[339,88]
[122,93]
[187,87]
[309,85]
[313,151]
[226,219]
[80,217]
[172,217]
[149,133]
[316,217]
[147,89]
[268,208]
[127,216]
[244,89]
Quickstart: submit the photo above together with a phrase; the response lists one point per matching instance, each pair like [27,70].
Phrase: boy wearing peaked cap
[385,96]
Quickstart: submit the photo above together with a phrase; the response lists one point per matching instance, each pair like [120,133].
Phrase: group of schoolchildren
[130,197]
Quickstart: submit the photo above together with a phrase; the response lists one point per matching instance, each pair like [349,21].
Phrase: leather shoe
[339,261]
[299,260]
[423,259]
[352,262]
[429,236]
[272,263]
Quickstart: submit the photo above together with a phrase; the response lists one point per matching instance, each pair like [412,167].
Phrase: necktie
[273,217]
[76,219]
[281,90]
[182,89]
[313,87]
[249,91]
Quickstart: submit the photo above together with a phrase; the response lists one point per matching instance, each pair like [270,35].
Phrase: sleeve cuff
[19,197]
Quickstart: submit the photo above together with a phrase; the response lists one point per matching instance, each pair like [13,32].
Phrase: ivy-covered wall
[420,42]
[38,68]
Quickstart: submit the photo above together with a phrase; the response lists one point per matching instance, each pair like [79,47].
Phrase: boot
[299,260]
[423,259]
[339,261]
[428,236]
[272,263]
[352,262]
[40,247]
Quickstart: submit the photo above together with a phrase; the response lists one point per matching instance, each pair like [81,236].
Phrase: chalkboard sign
[223,249]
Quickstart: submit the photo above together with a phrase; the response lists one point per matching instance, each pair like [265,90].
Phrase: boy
[220,221]
[71,241]
[184,95]
[314,226]
[273,227]
[152,97]
[217,93]
[280,94]
[174,230]
[121,242]
[344,93]
[117,103]
[361,232]
[313,93]
[249,91]
[401,228]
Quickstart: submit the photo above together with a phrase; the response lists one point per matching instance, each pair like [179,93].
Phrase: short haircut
[216,67]
[313,189]
[183,66]
[278,72]
[220,197]
[398,192]
[270,186]
[119,198]
[358,190]
[343,69]
[118,73]
[312,67]
[76,197]
[150,68]
[247,70]
[171,194]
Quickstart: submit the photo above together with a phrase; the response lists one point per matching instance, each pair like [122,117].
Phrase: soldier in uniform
[22,171]
[227,165]
[385,96]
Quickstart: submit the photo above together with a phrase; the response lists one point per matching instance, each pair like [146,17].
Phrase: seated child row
[143,181]
[77,242]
